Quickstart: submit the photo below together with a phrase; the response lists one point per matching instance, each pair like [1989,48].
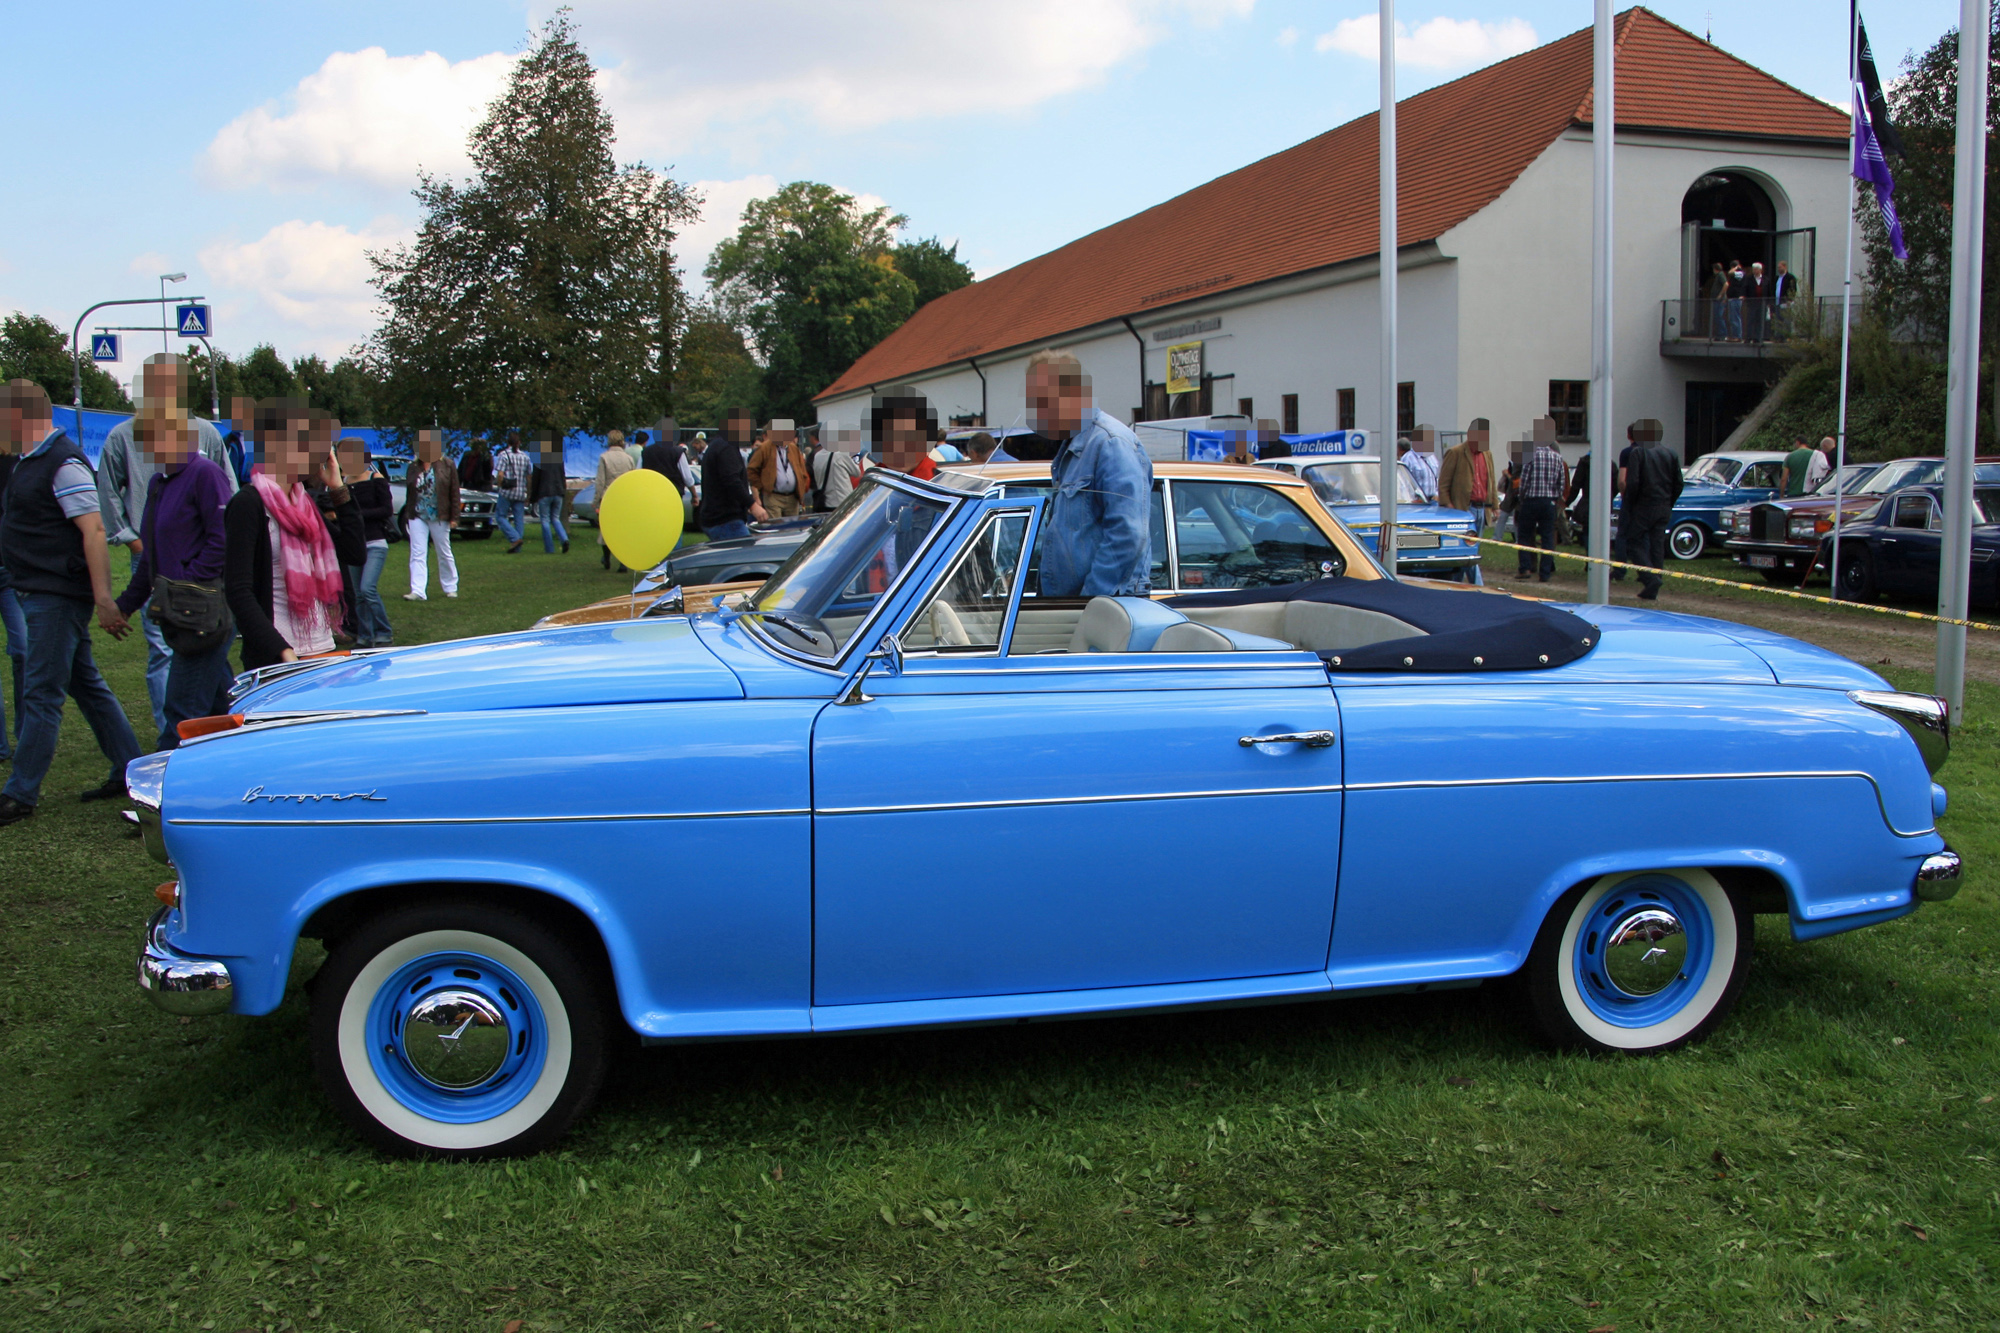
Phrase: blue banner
[1215,446]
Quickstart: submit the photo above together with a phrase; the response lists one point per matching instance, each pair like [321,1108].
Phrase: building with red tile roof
[1272,268]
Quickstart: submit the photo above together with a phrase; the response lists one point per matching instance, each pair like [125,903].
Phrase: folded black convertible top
[1463,631]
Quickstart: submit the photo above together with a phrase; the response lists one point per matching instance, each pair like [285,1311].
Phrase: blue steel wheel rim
[478,975]
[1642,893]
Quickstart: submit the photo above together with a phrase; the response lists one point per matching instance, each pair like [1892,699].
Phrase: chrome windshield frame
[955,500]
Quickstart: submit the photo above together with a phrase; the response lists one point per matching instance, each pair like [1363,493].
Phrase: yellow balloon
[641,517]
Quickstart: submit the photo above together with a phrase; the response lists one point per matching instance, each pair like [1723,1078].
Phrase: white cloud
[1289,37]
[309,276]
[678,68]
[1439,43]
[722,208]
[365,116]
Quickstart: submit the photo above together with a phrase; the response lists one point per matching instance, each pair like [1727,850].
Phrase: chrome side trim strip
[1232,662]
[1418,784]
[480,819]
[1074,800]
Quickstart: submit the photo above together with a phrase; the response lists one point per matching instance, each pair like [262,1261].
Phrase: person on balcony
[1756,304]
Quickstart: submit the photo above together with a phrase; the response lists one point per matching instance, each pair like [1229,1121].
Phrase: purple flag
[1871,166]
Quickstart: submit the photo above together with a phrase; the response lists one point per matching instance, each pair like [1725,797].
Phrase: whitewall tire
[1638,962]
[458,1029]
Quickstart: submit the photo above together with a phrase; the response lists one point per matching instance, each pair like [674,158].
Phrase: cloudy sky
[264,149]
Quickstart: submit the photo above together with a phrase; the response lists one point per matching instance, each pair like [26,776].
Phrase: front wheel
[1857,578]
[1638,962]
[458,1029]
[1687,540]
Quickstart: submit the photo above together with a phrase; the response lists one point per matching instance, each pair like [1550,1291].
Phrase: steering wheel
[947,628]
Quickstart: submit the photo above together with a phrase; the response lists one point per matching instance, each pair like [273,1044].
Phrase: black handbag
[193,617]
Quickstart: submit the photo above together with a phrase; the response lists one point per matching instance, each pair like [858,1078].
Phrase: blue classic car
[1715,484]
[900,786]
[1895,549]
[1431,540]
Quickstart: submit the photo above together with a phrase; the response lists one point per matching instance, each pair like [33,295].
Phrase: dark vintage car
[1896,550]
[1782,539]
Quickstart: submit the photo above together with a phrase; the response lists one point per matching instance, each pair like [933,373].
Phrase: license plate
[1763,562]
[1410,541]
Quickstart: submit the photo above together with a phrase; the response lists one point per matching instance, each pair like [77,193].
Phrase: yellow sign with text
[1184,367]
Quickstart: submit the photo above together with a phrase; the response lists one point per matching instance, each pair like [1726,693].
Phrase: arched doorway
[1730,217]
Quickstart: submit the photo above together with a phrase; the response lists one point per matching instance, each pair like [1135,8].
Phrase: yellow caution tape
[1720,583]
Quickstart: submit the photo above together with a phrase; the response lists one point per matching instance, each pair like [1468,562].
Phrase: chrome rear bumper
[177,982]
[1937,878]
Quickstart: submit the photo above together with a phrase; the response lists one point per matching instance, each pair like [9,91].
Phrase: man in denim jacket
[1097,540]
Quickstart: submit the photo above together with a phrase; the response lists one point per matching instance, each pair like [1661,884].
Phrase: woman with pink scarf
[281,571]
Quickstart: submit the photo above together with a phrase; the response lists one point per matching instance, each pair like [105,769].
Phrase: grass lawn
[1408,1163]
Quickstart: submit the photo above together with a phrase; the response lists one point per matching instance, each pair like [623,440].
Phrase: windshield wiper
[789,623]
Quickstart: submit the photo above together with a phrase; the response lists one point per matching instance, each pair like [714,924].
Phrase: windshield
[1903,472]
[1848,480]
[1357,481]
[1715,469]
[820,597]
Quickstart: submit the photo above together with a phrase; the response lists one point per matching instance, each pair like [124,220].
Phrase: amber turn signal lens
[208,726]
[169,893]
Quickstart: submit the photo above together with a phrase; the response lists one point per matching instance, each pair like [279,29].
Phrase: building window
[1291,402]
[1246,407]
[1406,407]
[1344,411]
[1569,404]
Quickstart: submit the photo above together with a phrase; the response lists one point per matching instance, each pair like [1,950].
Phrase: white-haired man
[1098,540]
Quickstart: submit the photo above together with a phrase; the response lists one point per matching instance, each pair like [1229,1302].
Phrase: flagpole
[1968,225]
[1385,541]
[1603,128]
[1846,290]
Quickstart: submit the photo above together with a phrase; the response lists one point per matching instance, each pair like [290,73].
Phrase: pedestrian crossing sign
[103,347]
[191,320]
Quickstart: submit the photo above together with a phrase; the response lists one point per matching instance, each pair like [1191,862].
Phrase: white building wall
[1525,297]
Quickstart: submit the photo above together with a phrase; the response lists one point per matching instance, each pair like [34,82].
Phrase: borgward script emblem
[256,794]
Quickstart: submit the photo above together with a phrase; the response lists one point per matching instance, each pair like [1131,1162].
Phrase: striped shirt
[1543,476]
[75,484]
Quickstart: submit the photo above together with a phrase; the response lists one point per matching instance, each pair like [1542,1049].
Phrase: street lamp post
[76,351]
[166,278]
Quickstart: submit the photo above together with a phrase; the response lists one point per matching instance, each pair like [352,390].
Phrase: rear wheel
[1638,962]
[459,1030]
[1687,540]
[1857,578]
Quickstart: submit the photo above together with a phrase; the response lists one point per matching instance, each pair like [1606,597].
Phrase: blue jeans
[1732,319]
[1472,573]
[734,528]
[548,512]
[196,687]
[512,517]
[59,663]
[17,652]
[368,608]
[158,656]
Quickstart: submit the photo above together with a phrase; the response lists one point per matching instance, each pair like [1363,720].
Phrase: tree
[348,389]
[541,293]
[228,383]
[933,268]
[31,348]
[716,371]
[812,275]
[264,374]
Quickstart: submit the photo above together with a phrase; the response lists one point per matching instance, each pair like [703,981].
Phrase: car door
[1898,564]
[989,824]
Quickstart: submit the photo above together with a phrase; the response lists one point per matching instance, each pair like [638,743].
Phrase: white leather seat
[1194,637]
[1121,625]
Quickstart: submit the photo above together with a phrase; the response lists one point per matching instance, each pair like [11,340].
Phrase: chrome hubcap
[1645,952]
[456,1039]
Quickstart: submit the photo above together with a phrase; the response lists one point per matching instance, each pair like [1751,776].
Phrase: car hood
[630,662]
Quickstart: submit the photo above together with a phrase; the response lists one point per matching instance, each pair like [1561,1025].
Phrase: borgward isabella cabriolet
[896,785]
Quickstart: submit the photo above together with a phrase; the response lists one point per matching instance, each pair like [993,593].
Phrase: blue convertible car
[898,785]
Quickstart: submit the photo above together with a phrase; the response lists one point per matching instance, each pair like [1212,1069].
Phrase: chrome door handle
[1312,740]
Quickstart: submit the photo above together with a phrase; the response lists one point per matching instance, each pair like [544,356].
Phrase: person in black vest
[1652,485]
[52,543]
[727,504]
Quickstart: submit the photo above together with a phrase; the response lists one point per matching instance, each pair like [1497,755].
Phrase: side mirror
[672,602]
[890,650]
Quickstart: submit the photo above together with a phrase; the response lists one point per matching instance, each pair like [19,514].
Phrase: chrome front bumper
[180,984]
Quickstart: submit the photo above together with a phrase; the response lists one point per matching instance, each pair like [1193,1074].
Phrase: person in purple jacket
[181,538]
